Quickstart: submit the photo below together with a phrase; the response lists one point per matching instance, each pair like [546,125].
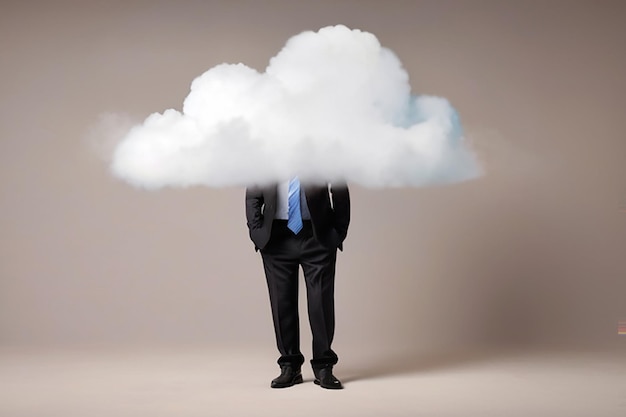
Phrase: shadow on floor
[412,363]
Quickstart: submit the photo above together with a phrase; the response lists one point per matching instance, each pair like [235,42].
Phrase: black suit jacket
[329,206]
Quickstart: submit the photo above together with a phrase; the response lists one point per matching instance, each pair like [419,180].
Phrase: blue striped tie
[294,219]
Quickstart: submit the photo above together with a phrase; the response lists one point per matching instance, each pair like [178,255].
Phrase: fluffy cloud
[332,105]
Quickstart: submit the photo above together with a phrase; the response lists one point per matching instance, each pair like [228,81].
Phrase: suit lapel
[311,192]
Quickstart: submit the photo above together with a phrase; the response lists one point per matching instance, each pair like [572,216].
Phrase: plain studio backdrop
[531,254]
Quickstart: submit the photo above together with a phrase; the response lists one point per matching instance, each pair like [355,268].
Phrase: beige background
[532,254]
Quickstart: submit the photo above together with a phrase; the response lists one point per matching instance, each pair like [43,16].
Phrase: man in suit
[294,225]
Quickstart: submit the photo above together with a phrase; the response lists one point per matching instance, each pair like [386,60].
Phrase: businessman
[297,225]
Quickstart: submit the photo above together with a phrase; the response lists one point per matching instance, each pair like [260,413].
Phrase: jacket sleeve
[341,206]
[254,208]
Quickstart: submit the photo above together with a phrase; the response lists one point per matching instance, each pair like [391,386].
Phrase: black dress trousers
[282,258]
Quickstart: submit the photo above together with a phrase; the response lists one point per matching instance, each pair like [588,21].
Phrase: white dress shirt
[282,205]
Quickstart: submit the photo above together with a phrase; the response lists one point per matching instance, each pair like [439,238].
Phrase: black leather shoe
[324,378]
[288,377]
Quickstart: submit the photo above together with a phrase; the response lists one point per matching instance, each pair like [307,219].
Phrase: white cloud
[332,105]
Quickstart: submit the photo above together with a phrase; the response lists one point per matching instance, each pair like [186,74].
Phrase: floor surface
[189,382]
